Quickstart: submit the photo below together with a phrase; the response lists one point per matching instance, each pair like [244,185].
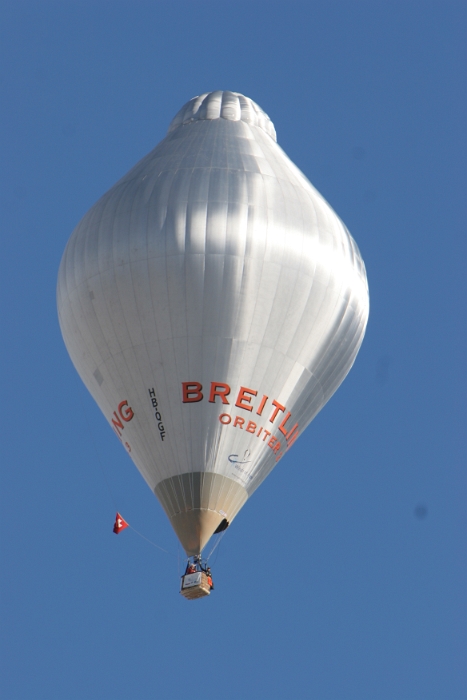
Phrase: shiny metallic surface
[212,302]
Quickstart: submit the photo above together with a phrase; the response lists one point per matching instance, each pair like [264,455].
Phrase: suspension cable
[217,543]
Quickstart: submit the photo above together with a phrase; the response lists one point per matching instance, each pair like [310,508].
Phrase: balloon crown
[223,104]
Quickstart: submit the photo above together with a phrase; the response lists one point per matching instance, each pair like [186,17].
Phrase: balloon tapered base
[196,504]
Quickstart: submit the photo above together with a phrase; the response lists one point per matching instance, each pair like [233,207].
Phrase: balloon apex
[223,104]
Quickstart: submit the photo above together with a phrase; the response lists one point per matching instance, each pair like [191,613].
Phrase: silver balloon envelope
[212,302]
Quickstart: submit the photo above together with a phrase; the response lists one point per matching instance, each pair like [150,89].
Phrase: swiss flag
[120,524]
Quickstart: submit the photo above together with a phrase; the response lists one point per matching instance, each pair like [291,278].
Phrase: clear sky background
[344,577]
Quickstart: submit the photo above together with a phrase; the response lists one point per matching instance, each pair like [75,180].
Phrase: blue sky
[357,593]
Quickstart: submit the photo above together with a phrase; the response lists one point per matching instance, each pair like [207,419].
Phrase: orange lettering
[189,388]
[292,435]
[128,414]
[272,441]
[262,405]
[243,396]
[276,448]
[291,432]
[251,427]
[282,425]
[219,389]
[225,415]
[238,421]
[266,433]
[276,410]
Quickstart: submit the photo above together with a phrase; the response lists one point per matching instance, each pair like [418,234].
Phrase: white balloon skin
[213,263]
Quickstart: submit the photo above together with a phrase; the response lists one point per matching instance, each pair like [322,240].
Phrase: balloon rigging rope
[150,541]
[101,466]
[217,543]
[217,554]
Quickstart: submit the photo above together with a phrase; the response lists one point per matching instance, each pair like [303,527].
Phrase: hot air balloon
[212,302]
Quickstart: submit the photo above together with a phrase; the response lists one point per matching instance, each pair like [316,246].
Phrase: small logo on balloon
[234,458]
[236,461]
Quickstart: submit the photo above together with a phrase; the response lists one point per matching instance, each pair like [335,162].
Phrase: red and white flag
[120,524]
